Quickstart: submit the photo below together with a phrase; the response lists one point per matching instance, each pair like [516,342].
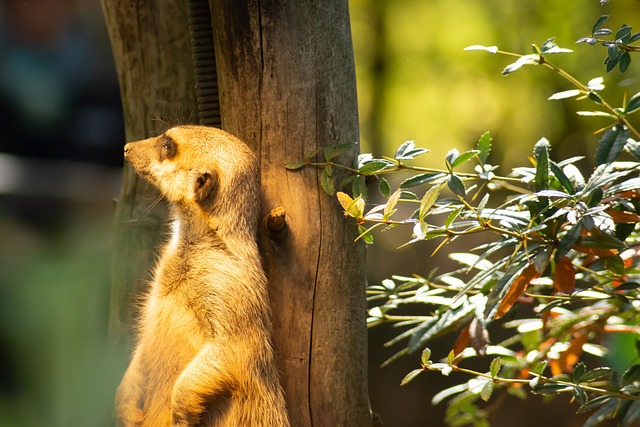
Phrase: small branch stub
[275,221]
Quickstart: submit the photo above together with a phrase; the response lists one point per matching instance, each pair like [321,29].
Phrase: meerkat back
[203,355]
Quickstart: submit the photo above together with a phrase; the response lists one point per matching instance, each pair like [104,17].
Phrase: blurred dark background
[60,161]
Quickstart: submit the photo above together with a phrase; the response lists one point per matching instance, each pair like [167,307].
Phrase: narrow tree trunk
[287,86]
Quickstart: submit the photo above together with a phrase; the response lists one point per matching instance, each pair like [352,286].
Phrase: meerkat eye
[169,148]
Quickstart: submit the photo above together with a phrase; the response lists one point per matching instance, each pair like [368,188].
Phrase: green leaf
[484,147]
[633,104]
[601,241]
[326,181]
[359,187]
[596,374]
[561,177]
[599,23]
[614,264]
[548,389]
[452,216]
[487,390]
[428,200]
[495,366]
[579,395]
[294,165]
[372,167]
[421,179]
[541,155]
[426,356]
[568,240]
[364,234]
[456,185]
[464,157]
[384,187]
[410,376]
[389,207]
[624,62]
[631,375]
[611,144]
[578,372]
[624,31]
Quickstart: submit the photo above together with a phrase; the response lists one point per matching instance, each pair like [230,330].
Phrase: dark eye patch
[168,148]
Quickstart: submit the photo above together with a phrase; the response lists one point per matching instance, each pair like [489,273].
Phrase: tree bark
[287,87]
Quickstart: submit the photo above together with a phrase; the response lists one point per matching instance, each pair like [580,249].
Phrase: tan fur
[204,355]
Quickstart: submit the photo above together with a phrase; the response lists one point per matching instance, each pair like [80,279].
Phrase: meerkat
[203,355]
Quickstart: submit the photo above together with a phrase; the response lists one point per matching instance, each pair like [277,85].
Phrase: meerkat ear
[206,188]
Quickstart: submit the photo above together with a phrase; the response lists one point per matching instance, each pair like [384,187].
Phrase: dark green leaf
[484,147]
[408,195]
[614,264]
[627,286]
[578,372]
[385,190]
[631,374]
[568,240]
[633,104]
[359,188]
[623,32]
[410,376]
[637,346]
[611,144]
[579,395]
[561,177]
[610,63]
[294,165]
[596,374]
[464,157]
[548,388]
[634,37]
[613,51]
[599,23]
[624,62]
[600,242]
[372,167]
[595,197]
[606,410]
[326,181]
[456,185]
[346,180]
[420,179]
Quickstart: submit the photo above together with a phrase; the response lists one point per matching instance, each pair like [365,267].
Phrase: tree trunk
[287,87]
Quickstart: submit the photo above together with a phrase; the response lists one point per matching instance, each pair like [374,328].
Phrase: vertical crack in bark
[315,282]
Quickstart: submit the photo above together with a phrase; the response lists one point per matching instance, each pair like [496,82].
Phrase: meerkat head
[199,169]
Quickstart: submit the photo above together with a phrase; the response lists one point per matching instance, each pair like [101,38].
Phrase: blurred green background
[60,158]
